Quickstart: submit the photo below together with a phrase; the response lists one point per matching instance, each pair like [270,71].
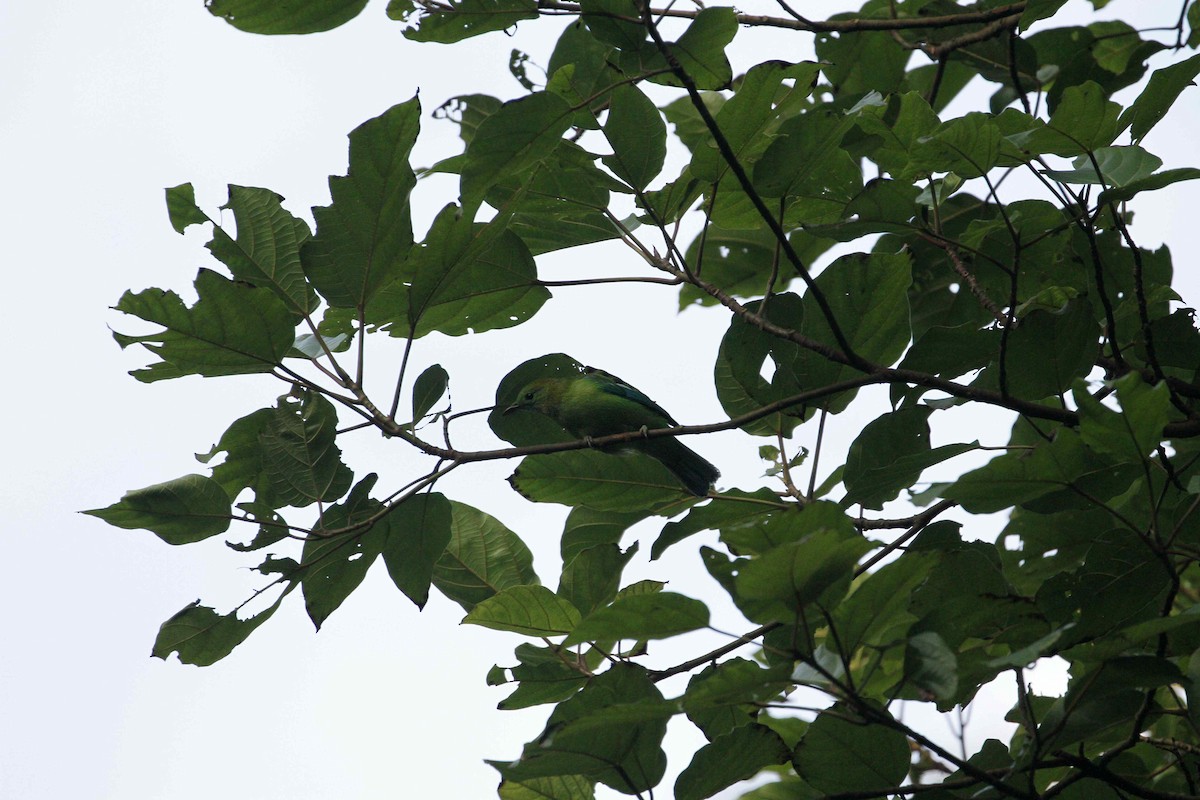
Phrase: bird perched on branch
[596,403]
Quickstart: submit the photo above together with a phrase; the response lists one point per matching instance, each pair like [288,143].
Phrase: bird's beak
[513,407]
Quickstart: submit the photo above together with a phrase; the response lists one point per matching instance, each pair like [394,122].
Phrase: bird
[597,403]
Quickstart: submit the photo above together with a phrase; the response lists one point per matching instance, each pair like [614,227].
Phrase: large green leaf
[1133,433]
[638,137]
[233,329]
[364,236]
[843,753]
[512,141]
[591,578]
[798,159]
[300,458]
[586,528]
[182,511]
[1026,473]
[343,547]
[203,637]
[736,756]
[725,696]
[611,731]
[299,16]
[701,48]
[796,574]
[464,278]
[418,531]
[890,454]
[641,616]
[748,119]
[453,22]
[543,675]
[482,558]
[529,610]
[601,481]
[267,249]
[1161,92]
[560,787]
[731,508]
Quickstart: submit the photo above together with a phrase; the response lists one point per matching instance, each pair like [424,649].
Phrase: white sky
[103,105]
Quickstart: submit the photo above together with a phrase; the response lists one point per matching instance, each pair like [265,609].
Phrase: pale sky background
[101,107]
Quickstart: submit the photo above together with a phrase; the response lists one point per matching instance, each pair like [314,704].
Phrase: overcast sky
[102,106]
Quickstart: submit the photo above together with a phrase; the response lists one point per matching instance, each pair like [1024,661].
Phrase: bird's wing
[613,385]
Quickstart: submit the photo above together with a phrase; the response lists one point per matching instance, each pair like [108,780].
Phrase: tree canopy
[859,223]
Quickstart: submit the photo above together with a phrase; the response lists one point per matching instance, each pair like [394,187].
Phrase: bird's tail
[686,464]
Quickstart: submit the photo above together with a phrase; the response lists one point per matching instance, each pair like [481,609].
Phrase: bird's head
[543,395]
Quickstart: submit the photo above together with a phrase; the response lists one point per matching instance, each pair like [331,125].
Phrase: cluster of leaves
[965,291]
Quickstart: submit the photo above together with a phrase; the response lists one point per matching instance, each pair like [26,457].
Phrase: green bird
[596,403]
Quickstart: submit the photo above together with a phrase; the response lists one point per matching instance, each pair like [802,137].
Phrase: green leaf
[601,481]
[931,666]
[344,545]
[748,119]
[1118,166]
[182,208]
[701,48]
[614,22]
[482,558]
[418,532]
[728,508]
[267,249]
[182,511]
[638,136]
[725,696]
[586,528]
[968,146]
[756,535]
[842,753]
[1158,180]
[203,637]
[1025,474]
[364,236]
[528,610]
[465,278]
[899,127]
[611,732]
[233,329]
[877,610]
[544,675]
[890,454]
[1039,9]
[660,615]
[857,62]
[561,787]
[428,389]
[1120,583]
[591,578]
[270,17]
[1132,433]
[734,757]
[1047,352]
[871,290]
[1161,92]
[301,460]
[1099,703]
[460,20]
[798,158]
[799,573]
[512,141]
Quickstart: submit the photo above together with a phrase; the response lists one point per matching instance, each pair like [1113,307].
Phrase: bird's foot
[589,441]
[645,432]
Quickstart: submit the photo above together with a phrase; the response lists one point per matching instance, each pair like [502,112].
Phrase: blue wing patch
[613,385]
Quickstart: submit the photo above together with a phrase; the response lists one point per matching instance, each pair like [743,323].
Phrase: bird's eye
[529,395]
